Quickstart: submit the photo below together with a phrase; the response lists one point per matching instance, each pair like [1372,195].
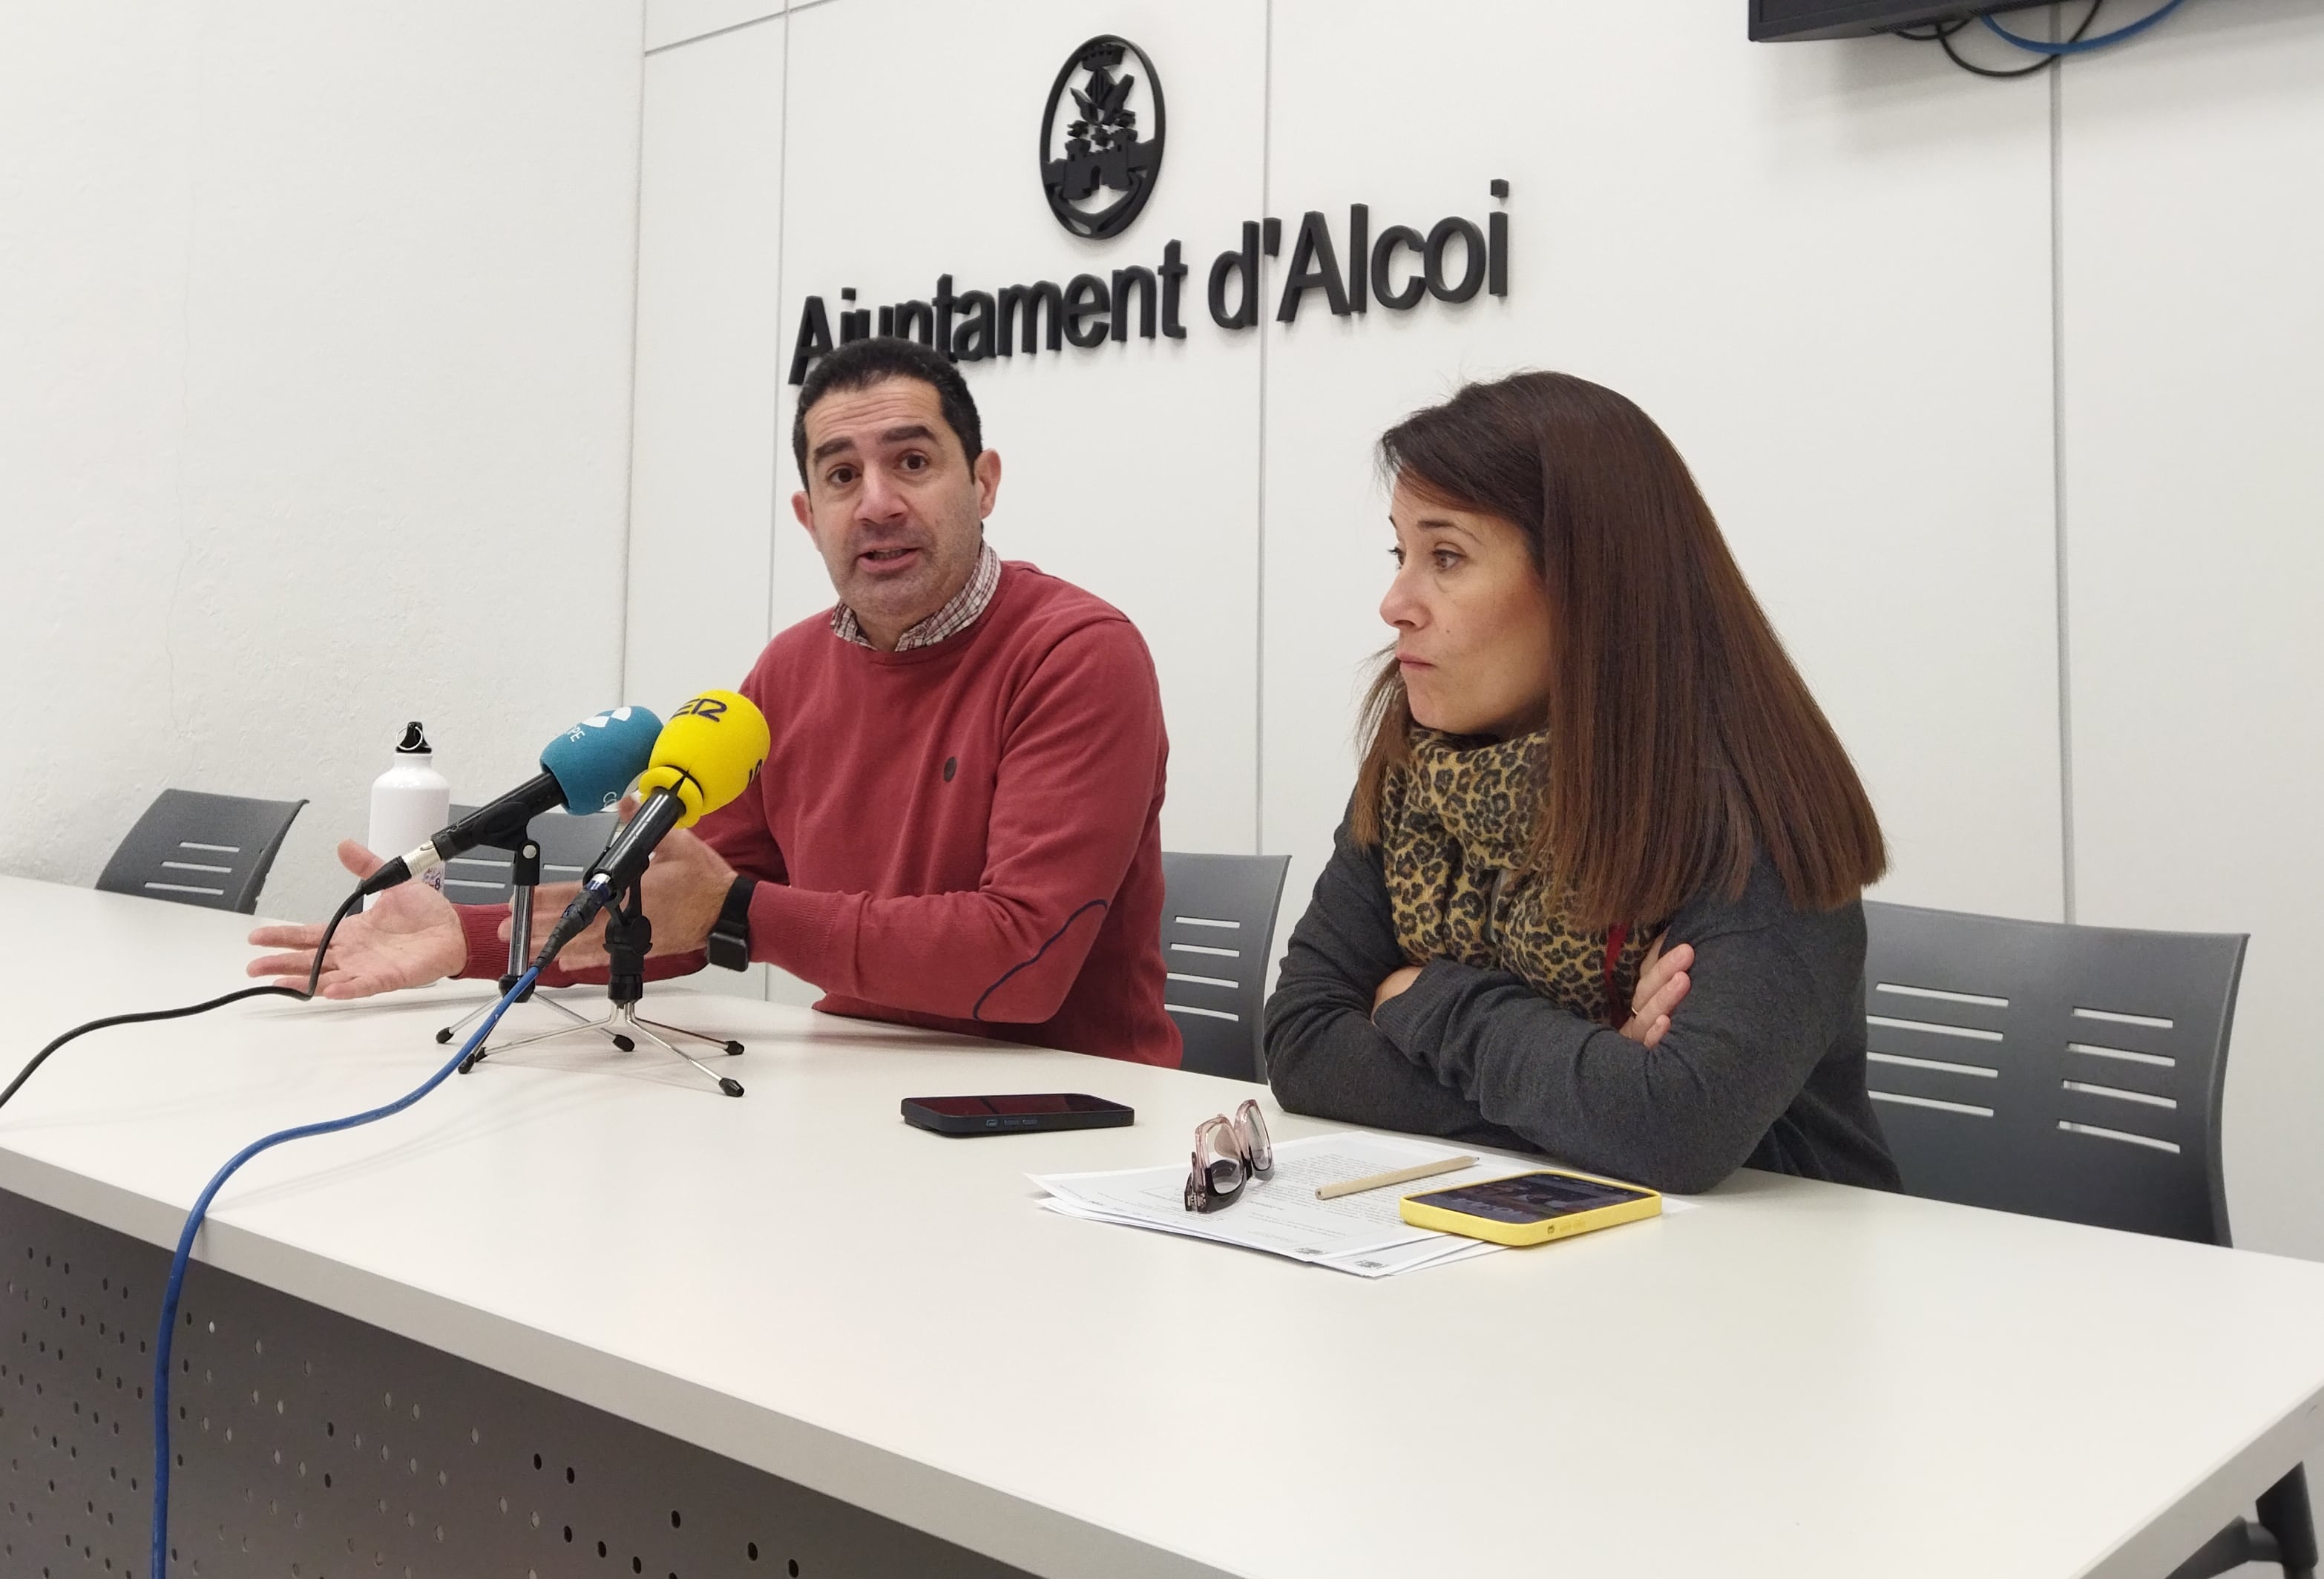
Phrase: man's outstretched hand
[408,937]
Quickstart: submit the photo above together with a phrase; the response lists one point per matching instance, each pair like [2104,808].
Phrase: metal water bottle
[409,803]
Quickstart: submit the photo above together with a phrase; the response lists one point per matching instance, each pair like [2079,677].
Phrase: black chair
[195,849]
[568,845]
[1218,920]
[2072,1072]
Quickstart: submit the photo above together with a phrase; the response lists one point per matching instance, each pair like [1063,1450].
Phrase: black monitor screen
[1832,19]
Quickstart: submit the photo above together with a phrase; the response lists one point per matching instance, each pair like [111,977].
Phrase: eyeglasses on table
[1229,1153]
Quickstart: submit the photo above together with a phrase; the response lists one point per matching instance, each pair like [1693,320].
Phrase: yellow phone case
[1445,1220]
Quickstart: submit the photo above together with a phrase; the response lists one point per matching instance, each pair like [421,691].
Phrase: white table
[1796,1379]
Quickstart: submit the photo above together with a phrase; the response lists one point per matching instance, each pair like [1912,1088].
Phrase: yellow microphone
[707,755]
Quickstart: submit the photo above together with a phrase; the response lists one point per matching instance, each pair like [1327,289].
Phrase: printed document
[1361,1233]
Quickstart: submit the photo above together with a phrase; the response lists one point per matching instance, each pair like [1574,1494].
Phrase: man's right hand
[408,937]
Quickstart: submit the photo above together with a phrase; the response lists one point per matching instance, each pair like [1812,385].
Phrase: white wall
[1705,225]
[704,479]
[1828,270]
[2194,492]
[315,335]
[1132,470]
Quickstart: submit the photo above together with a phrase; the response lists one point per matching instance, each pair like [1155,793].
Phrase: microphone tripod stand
[524,873]
[629,937]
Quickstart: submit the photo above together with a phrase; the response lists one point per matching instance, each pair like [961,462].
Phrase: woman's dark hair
[860,364]
[1681,739]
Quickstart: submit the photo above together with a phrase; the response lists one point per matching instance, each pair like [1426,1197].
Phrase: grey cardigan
[1763,1064]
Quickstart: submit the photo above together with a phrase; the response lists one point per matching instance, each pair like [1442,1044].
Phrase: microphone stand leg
[465,1020]
[603,1028]
[731,1048]
[453,1030]
[629,938]
[625,1014]
[524,876]
[571,1013]
[576,1018]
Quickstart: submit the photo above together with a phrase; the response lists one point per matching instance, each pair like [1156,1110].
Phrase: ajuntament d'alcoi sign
[1098,175]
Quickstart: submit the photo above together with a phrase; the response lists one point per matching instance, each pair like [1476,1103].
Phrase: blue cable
[2082,46]
[193,1225]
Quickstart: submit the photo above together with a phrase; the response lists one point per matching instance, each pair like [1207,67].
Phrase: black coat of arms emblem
[1100,172]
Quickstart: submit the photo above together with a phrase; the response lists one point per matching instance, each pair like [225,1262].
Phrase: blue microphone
[585,770]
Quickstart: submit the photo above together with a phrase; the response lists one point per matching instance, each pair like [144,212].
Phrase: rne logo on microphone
[709,707]
[598,721]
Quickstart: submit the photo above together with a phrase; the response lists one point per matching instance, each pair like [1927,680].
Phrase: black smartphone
[1007,1115]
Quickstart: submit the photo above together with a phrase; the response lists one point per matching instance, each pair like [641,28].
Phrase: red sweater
[965,837]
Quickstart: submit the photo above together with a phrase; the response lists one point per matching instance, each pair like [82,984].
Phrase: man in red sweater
[958,822]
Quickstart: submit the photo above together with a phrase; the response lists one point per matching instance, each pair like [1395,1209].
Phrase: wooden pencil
[1380,1181]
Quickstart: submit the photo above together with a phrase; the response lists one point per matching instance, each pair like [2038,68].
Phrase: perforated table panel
[316,1446]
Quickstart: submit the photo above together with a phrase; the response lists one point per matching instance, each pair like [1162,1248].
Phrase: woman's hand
[1662,980]
[408,937]
[1398,981]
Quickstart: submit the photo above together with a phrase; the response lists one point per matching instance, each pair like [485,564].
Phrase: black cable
[1941,35]
[347,907]
[314,975]
[113,1019]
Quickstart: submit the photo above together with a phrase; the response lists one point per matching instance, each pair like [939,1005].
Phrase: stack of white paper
[1359,1233]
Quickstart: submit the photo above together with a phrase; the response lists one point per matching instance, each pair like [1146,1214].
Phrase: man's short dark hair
[860,364]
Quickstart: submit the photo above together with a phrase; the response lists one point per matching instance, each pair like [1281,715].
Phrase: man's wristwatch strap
[730,939]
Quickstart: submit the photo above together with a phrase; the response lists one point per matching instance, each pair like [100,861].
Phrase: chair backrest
[1218,922]
[195,849]
[2066,1072]
[568,845]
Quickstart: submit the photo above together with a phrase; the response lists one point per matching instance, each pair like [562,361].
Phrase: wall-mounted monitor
[1839,19]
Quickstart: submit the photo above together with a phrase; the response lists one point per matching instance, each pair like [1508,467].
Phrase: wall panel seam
[1259,562]
[185,742]
[779,371]
[637,294]
[2058,486]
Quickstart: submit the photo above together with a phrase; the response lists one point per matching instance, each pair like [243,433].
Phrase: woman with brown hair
[1596,895]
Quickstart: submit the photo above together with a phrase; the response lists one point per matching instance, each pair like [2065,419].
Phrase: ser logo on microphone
[709,707]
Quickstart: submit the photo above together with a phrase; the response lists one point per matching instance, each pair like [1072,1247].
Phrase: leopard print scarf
[1454,824]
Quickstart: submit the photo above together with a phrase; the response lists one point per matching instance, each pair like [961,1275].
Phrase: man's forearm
[975,955]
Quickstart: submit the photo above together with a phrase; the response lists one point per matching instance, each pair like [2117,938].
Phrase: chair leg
[2224,1553]
[2285,1513]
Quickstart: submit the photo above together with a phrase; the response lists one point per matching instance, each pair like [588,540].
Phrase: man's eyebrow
[902,435]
